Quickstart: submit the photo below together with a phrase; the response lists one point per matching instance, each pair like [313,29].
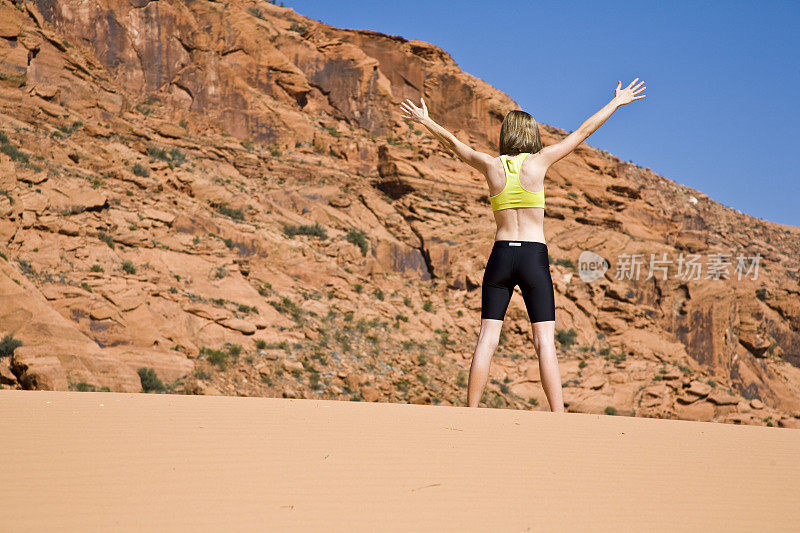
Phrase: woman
[519,254]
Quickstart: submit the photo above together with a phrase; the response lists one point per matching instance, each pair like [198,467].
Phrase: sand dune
[116,461]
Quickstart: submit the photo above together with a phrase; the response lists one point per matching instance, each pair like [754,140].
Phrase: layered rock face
[225,193]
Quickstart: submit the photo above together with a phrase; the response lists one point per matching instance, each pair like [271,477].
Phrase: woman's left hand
[413,112]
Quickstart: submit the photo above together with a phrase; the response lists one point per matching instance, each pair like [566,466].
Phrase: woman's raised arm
[477,160]
[556,151]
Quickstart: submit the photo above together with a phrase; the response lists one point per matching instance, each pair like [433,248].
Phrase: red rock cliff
[224,192]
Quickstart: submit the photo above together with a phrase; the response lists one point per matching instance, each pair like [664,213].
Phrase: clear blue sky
[722,112]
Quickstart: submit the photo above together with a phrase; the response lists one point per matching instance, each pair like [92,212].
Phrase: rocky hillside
[220,198]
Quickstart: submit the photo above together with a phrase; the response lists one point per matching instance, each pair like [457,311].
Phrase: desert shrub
[141,170]
[150,381]
[26,268]
[201,374]
[403,384]
[234,350]
[7,194]
[220,358]
[444,337]
[226,210]
[14,153]
[157,153]
[495,401]
[177,157]
[567,263]
[243,308]
[359,238]
[106,238]
[8,345]
[297,27]
[286,306]
[566,337]
[265,289]
[312,230]
[128,267]
[72,128]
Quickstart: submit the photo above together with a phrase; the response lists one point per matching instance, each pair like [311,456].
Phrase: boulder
[370,394]
[291,365]
[237,324]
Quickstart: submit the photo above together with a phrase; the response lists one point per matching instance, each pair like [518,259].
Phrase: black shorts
[523,263]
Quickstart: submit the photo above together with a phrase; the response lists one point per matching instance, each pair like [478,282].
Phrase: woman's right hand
[628,94]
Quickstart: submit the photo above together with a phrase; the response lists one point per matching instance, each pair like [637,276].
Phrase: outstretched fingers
[414,112]
[629,93]
[409,106]
[408,111]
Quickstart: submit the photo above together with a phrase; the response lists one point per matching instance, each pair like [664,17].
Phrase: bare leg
[544,342]
[482,358]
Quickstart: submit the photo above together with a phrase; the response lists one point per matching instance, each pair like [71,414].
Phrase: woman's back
[519,256]
[518,223]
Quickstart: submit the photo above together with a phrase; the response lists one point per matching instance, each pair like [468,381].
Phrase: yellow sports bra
[514,194]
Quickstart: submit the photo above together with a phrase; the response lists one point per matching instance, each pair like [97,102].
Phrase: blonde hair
[519,134]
